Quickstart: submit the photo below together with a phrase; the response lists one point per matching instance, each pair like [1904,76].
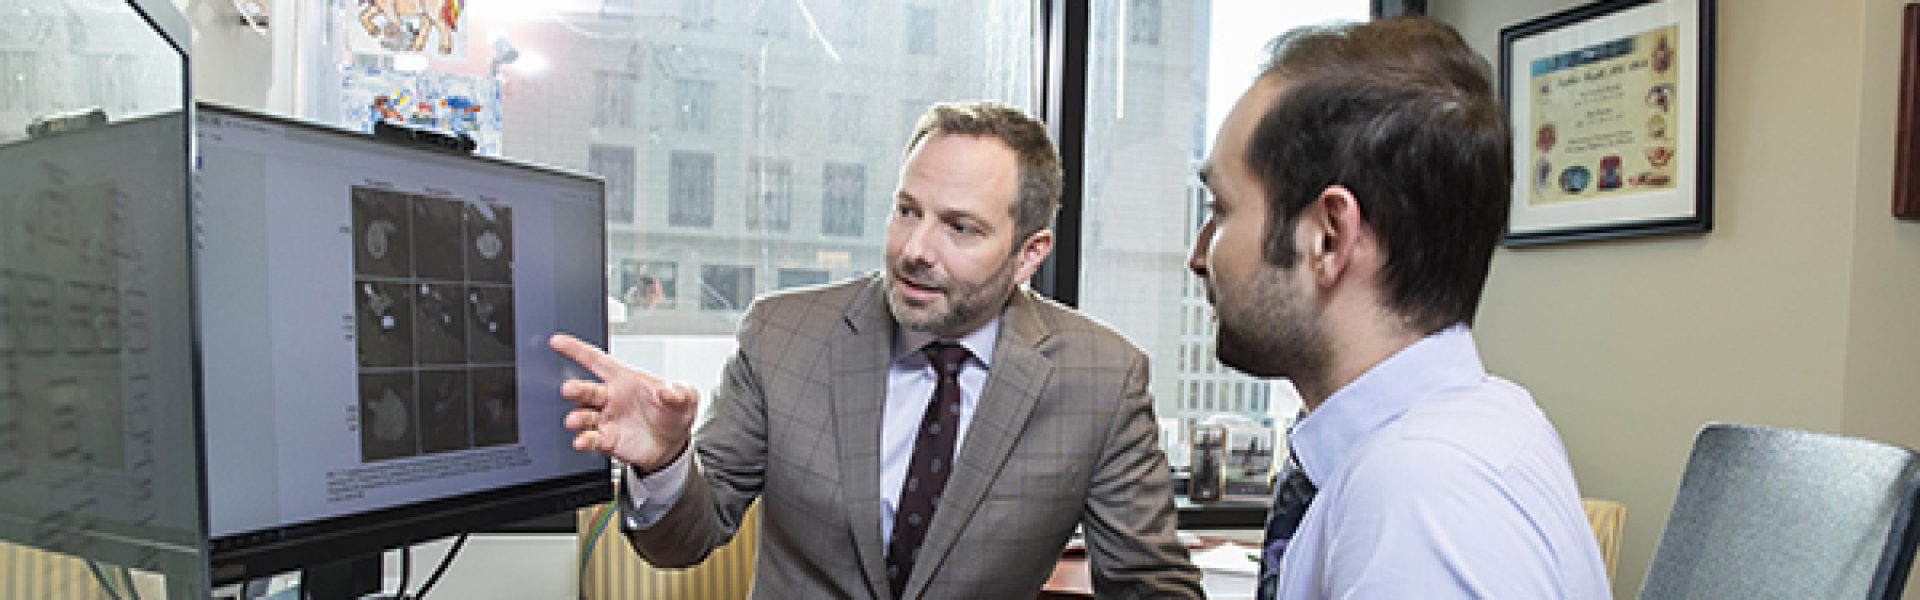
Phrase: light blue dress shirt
[910,384]
[1438,480]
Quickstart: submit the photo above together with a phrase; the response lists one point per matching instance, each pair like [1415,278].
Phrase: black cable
[442,569]
[406,557]
[102,578]
[133,591]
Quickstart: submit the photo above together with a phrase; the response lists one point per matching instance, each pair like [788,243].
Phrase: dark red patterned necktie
[932,461]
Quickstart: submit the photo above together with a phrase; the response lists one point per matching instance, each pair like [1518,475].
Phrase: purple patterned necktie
[932,461]
[1290,499]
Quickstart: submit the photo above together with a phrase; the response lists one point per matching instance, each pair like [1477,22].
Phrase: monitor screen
[96,341]
[374,317]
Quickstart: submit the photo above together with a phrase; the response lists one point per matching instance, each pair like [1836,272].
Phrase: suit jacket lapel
[1014,381]
[860,360]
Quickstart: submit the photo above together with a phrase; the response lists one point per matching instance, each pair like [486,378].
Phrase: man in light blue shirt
[1360,187]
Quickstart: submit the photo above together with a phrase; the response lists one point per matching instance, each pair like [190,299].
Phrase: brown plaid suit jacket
[1063,435]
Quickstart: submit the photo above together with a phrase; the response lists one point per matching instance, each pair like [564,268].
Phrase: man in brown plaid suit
[1039,418]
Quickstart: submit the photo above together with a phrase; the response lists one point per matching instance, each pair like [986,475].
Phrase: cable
[440,570]
[599,525]
[102,577]
[126,575]
[406,558]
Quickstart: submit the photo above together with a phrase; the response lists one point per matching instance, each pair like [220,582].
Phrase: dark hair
[1040,175]
[1402,113]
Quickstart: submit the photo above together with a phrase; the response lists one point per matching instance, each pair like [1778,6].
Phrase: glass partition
[99,469]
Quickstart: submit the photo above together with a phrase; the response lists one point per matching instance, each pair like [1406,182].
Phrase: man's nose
[1202,243]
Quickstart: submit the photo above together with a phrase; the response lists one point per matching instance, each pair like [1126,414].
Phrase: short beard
[965,302]
[1267,329]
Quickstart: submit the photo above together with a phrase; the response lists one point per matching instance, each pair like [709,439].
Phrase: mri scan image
[437,235]
[496,410]
[384,323]
[382,241]
[489,243]
[388,425]
[440,325]
[489,324]
[445,403]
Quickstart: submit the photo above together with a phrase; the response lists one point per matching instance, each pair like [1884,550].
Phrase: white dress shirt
[910,385]
[1438,480]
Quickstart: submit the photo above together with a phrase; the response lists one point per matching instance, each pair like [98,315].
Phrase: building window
[693,106]
[613,98]
[725,287]
[843,206]
[769,194]
[1143,22]
[690,189]
[790,278]
[923,29]
[772,19]
[770,108]
[846,118]
[648,285]
[20,80]
[615,163]
[696,15]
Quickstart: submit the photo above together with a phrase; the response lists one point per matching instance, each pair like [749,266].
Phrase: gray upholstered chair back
[1777,513]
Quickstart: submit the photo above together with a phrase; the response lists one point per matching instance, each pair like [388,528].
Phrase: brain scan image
[383,315]
[382,243]
[445,403]
[489,243]
[489,324]
[387,419]
[440,326]
[496,411]
[437,235]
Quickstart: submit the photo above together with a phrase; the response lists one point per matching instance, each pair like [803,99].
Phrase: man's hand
[629,414]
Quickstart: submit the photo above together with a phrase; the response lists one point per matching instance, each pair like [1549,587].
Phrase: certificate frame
[1906,162]
[1610,109]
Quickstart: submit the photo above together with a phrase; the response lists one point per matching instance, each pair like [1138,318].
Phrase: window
[843,203]
[802,277]
[696,15]
[846,118]
[770,108]
[648,285]
[725,287]
[1143,22]
[772,18]
[615,163]
[691,197]
[613,98]
[923,30]
[1144,115]
[769,194]
[692,106]
[19,80]
[110,81]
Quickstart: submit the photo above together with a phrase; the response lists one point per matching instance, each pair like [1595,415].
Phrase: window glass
[1160,75]
[747,146]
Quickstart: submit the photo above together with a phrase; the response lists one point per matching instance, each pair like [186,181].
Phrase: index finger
[602,366]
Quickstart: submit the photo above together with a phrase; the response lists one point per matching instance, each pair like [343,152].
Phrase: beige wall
[1789,313]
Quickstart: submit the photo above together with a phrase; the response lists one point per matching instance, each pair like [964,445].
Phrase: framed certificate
[1610,106]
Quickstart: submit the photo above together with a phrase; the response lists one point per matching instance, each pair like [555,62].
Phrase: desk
[1218,553]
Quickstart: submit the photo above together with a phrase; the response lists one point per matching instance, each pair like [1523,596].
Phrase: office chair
[1778,513]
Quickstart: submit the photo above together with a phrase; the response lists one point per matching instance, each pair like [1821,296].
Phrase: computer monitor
[374,317]
[97,430]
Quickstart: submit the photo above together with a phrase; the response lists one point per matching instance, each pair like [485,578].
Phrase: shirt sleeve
[649,496]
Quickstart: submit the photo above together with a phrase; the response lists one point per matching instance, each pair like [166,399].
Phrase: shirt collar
[979,342]
[1325,438]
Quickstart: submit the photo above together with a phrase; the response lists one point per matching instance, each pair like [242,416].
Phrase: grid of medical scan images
[433,280]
